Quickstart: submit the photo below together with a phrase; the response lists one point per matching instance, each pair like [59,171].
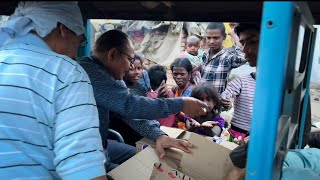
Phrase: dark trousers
[117,153]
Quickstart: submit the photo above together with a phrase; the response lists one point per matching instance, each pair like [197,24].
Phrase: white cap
[42,17]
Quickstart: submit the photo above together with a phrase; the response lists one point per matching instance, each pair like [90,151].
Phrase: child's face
[135,72]
[192,48]
[205,98]
[214,38]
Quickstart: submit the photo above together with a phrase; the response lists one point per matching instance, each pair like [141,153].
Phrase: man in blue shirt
[113,56]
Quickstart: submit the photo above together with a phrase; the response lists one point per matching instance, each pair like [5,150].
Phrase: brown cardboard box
[172,154]
[162,171]
[171,132]
[140,166]
[207,161]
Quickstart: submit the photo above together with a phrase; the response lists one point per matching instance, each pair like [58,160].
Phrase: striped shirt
[49,126]
[242,90]
[217,69]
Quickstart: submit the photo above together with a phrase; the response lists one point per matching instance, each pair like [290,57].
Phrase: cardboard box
[140,166]
[207,161]
[172,154]
[162,171]
[171,132]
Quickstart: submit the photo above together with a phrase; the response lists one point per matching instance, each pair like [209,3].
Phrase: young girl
[132,77]
[210,124]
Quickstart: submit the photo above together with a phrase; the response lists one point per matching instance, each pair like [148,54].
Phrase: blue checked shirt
[217,69]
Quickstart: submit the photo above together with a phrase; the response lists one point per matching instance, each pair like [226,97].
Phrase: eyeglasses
[129,58]
[83,41]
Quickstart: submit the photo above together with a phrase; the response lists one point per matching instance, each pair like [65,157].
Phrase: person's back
[303,158]
[157,75]
[297,163]
[32,94]
[43,135]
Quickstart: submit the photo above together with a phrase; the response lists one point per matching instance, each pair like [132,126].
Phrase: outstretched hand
[209,124]
[193,123]
[242,141]
[194,107]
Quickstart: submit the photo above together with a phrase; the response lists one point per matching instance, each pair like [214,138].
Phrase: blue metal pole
[271,72]
[306,97]
[88,35]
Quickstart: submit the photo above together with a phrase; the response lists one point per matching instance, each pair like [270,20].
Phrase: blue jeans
[117,153]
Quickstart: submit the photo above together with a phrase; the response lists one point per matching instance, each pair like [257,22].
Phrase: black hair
[241,27]
[111,39]
[182,62]
[314,140]
[138,57]
[185,63]
[193,37]
[217,25]
[157,74]
[211,92]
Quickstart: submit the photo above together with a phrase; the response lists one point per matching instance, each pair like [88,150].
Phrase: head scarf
[42,17]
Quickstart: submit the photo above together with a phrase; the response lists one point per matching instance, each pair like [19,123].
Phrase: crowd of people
[58,108]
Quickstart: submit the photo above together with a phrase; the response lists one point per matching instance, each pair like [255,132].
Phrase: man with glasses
[112,57]
[48,115]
